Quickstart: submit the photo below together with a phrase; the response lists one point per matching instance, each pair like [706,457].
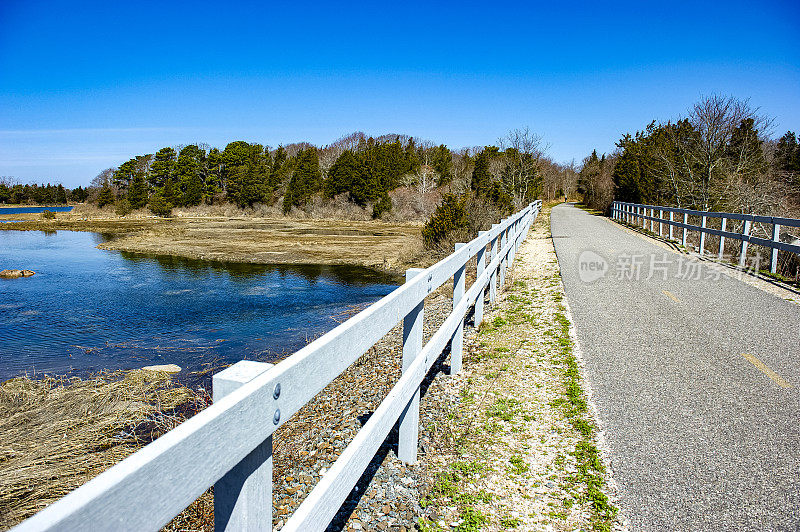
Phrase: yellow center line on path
[671,296]
[768,372]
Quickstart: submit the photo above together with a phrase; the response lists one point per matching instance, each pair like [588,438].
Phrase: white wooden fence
[636,214]
[229,444]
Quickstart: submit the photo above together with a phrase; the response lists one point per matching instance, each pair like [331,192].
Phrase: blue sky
[87,85]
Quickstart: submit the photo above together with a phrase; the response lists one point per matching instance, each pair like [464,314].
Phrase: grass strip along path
[518,445]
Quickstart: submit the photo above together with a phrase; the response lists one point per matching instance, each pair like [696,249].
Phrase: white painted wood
[408,438]
[671,224]
[457,343]
[481,267]
[660,223]
[721,253]
[773,263]
[146,490]
[503,255]
[493,281]
[743,252]
[685,224]
[243,496]
[326,498]
[702,236]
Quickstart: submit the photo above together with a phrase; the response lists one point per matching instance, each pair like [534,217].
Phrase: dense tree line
[48,194]
[364,170]
[720,156]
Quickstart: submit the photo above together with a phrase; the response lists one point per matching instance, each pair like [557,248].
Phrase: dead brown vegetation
[58,433]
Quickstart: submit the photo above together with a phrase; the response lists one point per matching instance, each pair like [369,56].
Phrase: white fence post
[685,223]
[776,237]
[722,240]
[660,223]
[243,496]
[652,221]
[703,236]
[457,343]
[501,245]
[408,436]
[493,277]
[480,258]
[671,227]
[743,252]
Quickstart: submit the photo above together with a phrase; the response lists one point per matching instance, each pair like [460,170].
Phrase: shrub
[48,215]
[450,216]
[160,206]
[124,207]
[384,204]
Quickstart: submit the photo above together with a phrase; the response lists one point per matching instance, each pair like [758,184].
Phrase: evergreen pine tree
[305,182]
[163,167]
[342,175]
[106,196]
[481,176]
[171,193]
[189,169]
[137,192]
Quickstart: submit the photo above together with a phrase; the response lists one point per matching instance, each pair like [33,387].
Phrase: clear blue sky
[87,85]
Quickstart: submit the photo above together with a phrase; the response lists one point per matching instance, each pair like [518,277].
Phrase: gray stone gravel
[386,498]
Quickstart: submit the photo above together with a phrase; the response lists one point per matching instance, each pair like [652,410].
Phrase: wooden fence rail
[229,444]
[636,213]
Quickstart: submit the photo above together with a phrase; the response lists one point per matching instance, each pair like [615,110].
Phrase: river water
[33,210]
[88,309]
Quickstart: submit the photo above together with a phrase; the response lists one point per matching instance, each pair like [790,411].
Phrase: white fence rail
[229,444]
[636,214]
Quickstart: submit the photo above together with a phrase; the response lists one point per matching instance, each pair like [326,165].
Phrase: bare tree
[715,119]
[523,152]
[103,178]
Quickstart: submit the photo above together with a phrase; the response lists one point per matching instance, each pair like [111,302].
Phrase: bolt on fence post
[722,240]
[703,236]
[457,342]
[493,277]
[685,223]
[481,261]
[743,252]
[671,227]
[243,496]
[408,436]
[773,265]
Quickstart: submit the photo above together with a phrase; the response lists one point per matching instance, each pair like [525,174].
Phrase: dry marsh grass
[58,433]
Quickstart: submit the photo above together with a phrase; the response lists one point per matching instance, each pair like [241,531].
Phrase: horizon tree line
[719,156]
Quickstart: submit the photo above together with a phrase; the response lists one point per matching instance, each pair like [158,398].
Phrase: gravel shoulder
[509,443]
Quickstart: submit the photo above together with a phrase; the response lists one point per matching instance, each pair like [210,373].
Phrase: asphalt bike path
[695,376]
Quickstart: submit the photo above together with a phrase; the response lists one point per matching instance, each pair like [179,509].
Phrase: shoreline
[382,246]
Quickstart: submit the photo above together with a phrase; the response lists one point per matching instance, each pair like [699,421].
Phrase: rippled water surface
[88,309]
[32,210]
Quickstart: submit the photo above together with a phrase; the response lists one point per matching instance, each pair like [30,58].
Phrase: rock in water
[167,368]
[13,274]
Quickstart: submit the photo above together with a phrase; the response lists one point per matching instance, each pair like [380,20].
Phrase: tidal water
[32,210]
[88,309]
